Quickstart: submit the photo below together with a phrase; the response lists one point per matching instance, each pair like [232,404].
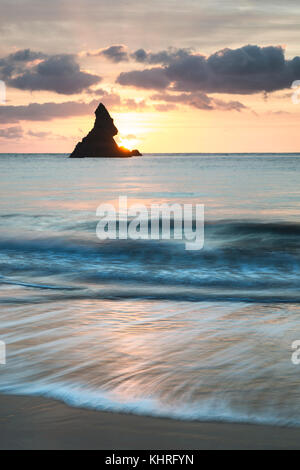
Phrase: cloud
[39,135]
[113,100]
[13,133]
[25,55]
[119,53]
[208,24]
[15,63]
[232,105]
[246,70]
[164,57]
[46,111]
[129,137]
[35,71]
[68,109]
[109,99]
[16,133]
[45,135]
[278,113]
[135,105]
[197,100]
[155,78]
[164,107]
[116,53]
[96,92]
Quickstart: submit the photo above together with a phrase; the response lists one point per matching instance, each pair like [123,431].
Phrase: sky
[176,76]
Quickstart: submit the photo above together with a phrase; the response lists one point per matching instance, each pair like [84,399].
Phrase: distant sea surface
[147,327]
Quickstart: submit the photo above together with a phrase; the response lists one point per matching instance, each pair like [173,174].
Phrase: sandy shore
[37,423]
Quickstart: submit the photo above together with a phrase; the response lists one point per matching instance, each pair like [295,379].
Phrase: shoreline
[33,423]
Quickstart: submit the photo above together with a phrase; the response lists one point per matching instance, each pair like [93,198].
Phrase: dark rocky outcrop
[99,143]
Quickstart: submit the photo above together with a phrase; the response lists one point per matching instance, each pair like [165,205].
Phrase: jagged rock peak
[100,143]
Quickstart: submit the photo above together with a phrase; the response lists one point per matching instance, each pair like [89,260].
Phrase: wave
[241,261]
[232,238]
[213,409]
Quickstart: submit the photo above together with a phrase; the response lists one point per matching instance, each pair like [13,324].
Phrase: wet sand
[37,423]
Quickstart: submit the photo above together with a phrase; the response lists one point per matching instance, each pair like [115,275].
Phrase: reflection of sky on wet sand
[170,352]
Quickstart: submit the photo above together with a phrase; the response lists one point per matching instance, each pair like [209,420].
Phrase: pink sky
[176,77]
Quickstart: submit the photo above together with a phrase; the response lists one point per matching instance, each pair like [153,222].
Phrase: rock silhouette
[100,143]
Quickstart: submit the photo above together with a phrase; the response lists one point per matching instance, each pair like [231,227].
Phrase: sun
[128,143]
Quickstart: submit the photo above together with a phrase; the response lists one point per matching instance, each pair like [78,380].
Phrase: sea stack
[100,143]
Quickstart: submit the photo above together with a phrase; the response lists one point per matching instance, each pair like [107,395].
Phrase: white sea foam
[212,410]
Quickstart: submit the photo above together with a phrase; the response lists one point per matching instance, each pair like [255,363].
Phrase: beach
[31,423]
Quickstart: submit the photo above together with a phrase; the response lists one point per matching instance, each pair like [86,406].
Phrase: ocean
[145,326]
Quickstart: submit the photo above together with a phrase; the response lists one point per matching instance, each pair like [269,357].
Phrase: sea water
[144,326]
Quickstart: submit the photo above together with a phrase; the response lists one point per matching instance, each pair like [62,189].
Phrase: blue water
[146,326]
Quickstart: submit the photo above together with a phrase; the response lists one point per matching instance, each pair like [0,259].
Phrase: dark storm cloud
[58,73]
[246,70]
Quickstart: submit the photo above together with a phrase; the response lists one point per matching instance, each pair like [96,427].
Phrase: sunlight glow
[128,143]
